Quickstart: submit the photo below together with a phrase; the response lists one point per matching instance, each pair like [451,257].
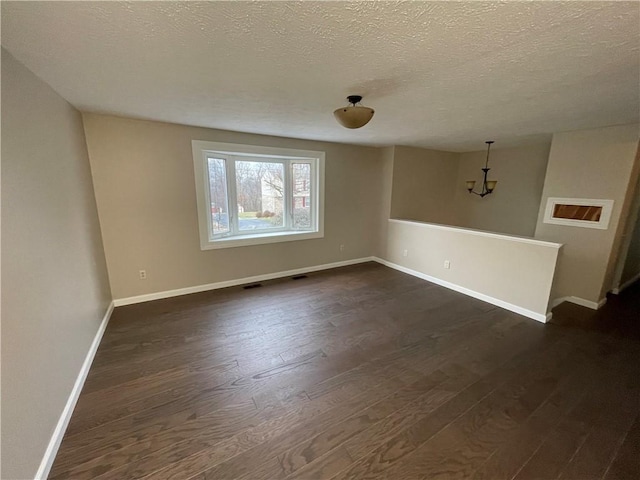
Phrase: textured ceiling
[445,75]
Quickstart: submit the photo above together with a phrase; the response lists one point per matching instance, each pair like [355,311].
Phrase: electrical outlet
[342,248]
[405,253]
[143,274]
[447,264]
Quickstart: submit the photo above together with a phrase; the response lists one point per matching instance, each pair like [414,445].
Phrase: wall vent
[298,277]
[253,285]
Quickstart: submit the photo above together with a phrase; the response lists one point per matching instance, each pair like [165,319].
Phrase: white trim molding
[580,301]
[540,317]
[625,285]
[480,233]
[288,273]
[235,282]
[58,433]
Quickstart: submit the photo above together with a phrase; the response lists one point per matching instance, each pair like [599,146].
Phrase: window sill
[259,239]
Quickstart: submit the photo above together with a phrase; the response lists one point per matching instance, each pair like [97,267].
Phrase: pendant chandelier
[487,185]
[354,115]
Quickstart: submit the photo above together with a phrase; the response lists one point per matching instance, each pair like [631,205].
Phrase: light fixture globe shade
[354,116]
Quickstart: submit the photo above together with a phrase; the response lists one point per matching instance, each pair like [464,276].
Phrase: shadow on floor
[619,316]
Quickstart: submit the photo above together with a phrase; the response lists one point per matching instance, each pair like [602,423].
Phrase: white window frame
[232,152]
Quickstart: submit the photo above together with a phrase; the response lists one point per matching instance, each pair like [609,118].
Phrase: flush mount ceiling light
[354,116]
[487,186]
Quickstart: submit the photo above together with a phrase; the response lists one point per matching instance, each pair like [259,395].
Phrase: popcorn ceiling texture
[445,75]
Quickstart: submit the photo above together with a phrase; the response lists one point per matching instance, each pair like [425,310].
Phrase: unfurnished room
[320,240]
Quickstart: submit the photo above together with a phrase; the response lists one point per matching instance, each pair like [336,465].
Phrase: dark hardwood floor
[354,373]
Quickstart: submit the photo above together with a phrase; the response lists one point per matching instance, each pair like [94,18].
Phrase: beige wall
[429,186]
[54,281]
[145,190]
[511,270]
[424,185]
[628,213]
[383,207]
[631,268]
[624,234]
[588,164]
[513,207]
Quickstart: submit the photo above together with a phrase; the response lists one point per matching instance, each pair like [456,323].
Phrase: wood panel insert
[588,213]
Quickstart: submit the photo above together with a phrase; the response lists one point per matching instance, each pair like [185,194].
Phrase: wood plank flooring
[360,372]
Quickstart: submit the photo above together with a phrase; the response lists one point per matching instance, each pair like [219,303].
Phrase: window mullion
[287,194]
[233,200]
[314,195]
[207,193]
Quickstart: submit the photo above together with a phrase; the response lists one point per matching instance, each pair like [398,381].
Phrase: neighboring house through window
[250,195]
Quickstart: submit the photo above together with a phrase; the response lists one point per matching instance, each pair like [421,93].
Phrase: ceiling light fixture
[354,116]
[487,186]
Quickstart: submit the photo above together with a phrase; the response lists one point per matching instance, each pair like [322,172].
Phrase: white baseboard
[580,301]
[288,273]
[63,421]
[238,281]
[540,317]
[620,288]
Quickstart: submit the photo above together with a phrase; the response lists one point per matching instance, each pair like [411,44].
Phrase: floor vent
[253,285]
[298,277]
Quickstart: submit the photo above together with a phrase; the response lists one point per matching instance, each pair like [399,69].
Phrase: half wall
[512,272]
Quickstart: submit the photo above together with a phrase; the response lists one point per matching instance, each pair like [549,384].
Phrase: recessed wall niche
[579,212]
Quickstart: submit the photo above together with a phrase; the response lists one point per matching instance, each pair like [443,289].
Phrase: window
[249,195]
